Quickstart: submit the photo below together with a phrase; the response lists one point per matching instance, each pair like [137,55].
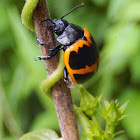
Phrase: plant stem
[84,121]
[94,119]
[110,128]
[60,93]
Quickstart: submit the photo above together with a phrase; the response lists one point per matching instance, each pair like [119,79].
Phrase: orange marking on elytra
[87,35]
[75,47]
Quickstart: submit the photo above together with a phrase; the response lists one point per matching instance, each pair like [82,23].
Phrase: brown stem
[60,93]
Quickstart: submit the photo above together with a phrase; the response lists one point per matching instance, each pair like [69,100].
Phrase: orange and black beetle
[81,55]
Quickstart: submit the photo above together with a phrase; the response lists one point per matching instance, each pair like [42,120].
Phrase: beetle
[81,55]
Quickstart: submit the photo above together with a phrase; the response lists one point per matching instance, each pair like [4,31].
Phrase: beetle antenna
[78,6]
[47,20]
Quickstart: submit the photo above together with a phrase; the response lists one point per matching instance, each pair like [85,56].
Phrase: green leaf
[88,103]
[122,108]
[43,134]
[106,104]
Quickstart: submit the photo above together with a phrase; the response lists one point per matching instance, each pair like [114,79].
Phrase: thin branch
[60,93]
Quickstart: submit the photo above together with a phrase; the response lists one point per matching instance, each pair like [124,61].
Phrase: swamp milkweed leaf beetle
[81,55]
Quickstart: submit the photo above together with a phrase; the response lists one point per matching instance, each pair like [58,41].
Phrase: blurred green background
[115,25]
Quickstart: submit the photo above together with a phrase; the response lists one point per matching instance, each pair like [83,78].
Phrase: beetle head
[59,26]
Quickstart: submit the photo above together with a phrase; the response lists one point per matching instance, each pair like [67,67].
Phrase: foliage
[45,134]
[115,26]
[91,108]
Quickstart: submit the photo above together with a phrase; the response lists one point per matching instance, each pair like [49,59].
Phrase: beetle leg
[53,50]
[66,76]
[40,43]
[50,49]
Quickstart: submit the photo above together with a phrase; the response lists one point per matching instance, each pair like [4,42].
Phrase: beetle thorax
[60,26]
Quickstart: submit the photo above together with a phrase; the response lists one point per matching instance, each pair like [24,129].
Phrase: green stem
[27,20]
[54,77]
[110,128]
[27,14]
[84,121]
[95,120]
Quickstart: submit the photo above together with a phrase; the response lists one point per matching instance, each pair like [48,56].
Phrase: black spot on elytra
[85,56]
[81,78]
